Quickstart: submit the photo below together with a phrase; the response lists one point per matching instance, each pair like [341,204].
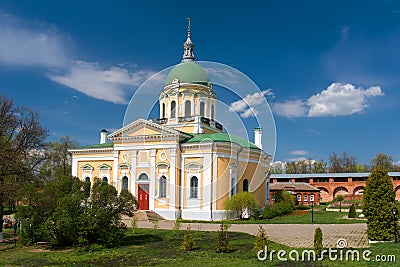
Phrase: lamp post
[312,211]
[394,211]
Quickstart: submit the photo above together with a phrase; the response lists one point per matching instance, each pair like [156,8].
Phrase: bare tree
[22,142]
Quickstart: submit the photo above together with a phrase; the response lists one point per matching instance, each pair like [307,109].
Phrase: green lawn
[148,247]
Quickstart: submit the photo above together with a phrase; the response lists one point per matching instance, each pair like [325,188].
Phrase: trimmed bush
[379,200]
[278,209]
[352,211]
[318,241]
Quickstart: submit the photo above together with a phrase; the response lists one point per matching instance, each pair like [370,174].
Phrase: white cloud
[341,100]
[337,100]
[290,109]
[111,84]
[299,152]
[296,159]
[27,43]
[247,105]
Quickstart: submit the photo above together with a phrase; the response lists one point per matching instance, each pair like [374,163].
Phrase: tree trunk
[1,218]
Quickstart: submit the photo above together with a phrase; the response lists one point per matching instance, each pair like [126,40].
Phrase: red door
[143,196]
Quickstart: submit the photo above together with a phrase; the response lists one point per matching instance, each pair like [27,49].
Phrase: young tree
[378,202]
[22,141]
[241,203]
[188,240]
[261,240]
[58,159]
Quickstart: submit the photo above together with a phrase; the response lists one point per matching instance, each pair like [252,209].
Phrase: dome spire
[188,47]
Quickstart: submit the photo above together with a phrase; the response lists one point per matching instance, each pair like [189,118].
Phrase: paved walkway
[293,235]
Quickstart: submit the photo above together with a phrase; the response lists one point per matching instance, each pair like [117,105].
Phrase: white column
[133,172]
[152,178]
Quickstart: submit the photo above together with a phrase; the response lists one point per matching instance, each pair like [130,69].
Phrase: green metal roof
[222,137]
[188,72]
[105,145]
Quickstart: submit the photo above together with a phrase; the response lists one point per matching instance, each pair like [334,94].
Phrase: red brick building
[305,193]
[350,185]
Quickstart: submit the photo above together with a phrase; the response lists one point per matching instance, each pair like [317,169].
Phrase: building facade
[182,164]
[349,185]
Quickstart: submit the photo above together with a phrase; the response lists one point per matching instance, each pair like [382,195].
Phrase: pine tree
[378,202]
[222,240]
[261,240]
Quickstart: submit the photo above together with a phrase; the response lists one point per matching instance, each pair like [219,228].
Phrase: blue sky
[331,68]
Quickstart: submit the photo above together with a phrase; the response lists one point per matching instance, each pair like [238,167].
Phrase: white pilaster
[133,171]
[115,170]
[152,178]
[207,174]
[172,178]
[75,167]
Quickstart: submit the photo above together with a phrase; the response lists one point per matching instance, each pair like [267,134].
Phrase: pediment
[144,128]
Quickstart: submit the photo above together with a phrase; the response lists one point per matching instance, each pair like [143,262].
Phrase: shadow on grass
[140,239]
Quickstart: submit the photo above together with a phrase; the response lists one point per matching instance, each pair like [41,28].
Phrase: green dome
[188,72]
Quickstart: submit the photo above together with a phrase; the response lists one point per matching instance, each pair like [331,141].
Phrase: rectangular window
[312,198]
[298,198]
[305,198]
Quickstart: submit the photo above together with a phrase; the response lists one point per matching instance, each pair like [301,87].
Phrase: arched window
[202,108]
[163,111]
[194,187]
[105,180]
[188,107]
[212,111]
[173,109]
[245,185]
[162,190]
[143,176]
[87,179]
[124,182]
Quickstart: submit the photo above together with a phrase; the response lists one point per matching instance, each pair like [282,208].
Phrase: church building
[182,164]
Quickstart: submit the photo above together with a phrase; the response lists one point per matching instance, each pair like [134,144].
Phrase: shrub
[278,209]
[261,240]
[379,200]
[222,239]
[303,207]
[188,240]
[241,203]
[352,211]
[318,241]
[177,225]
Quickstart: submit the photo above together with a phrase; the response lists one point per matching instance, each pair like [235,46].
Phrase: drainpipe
[212,179]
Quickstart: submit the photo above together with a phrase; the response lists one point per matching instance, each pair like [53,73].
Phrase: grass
[149,247]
